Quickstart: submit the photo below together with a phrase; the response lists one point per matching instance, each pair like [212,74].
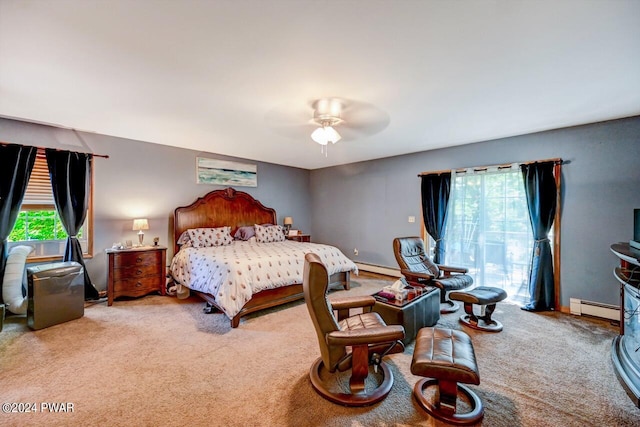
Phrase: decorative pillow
[184,240]
[269,234]
[12,286]
[206,237]
[245,233]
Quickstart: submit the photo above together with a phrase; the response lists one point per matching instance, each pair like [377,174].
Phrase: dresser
[136,272]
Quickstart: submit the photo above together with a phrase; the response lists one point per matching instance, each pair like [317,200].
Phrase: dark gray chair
[419,270]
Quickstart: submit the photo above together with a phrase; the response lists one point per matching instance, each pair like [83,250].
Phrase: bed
[229,281]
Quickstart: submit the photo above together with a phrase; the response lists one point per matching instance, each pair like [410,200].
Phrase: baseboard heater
[387,271]
[589,308]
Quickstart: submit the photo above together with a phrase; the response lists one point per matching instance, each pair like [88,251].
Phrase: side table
[136,272]
[416,312]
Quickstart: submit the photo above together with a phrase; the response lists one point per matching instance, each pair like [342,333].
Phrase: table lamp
[288,222]
[139,225]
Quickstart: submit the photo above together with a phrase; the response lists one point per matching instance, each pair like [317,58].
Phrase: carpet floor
[160,361]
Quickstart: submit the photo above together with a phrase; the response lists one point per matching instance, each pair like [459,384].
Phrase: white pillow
[184,241]
[13,279]
[207,237]
[269,234]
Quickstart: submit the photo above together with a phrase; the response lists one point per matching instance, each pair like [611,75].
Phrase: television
[635,243]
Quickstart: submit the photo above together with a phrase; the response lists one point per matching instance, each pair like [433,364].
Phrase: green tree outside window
[38,225]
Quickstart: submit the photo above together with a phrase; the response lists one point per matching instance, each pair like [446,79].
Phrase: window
[488,230]
[38,223]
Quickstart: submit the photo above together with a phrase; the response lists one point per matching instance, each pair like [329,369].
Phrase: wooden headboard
[220,208]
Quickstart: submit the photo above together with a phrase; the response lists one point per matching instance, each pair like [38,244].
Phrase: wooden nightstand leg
[110,279]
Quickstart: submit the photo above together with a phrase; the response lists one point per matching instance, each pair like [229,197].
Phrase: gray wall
[143,180]
[365,205]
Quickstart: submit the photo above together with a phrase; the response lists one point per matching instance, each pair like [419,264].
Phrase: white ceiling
[227,76]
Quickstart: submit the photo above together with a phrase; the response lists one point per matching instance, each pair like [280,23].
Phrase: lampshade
[140,224]
[288,220]
[324,135]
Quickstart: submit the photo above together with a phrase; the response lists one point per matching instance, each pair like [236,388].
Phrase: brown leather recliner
[348,342]
[418,269]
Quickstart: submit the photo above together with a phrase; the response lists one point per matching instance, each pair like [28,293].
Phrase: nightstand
[136,272]
[300,238]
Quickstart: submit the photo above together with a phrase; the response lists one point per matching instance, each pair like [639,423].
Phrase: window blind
[39,190]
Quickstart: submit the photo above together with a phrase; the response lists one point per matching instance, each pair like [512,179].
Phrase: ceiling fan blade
[291,120]
[289,114]
[364,119]
[293,132]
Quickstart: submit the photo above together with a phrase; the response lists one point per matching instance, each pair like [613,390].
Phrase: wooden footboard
[278,296]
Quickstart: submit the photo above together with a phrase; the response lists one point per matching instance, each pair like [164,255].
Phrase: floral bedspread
[233,273]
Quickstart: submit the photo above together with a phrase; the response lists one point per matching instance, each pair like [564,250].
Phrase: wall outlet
[355,251]
[412,219]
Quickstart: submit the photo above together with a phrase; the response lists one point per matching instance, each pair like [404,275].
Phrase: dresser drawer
[136,271]
[136,287]
[128,259]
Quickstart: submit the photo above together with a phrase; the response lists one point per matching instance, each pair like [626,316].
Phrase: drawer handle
[139,272]
[139,259]
[138,284]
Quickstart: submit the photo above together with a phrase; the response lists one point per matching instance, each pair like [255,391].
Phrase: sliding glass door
[488,230]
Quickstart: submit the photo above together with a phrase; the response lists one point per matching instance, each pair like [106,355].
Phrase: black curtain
[435,189]
[541,192]
[70,175]
[16,163]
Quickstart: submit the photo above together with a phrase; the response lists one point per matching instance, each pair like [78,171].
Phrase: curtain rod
[556,160]
[104,156]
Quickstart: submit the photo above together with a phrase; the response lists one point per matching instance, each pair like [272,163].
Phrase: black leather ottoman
[414,314]
[486,297]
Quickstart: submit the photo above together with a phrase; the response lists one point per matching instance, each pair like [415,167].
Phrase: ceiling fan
[327,114]
[328,120]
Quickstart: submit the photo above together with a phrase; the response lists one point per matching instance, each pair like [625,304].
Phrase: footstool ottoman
[445,357]
[486,297]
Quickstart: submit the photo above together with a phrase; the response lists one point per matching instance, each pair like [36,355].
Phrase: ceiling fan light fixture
[326,115]
[325,134]
[319,136]
[332,135]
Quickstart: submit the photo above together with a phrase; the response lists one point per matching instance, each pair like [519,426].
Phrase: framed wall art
[223,172]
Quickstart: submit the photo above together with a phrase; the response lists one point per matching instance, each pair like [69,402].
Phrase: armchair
[353,343]
[419,270]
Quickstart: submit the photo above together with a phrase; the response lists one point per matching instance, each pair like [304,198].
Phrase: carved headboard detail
[220,208]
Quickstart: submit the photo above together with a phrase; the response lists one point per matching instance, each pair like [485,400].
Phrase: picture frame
[224,172]
[294,232]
